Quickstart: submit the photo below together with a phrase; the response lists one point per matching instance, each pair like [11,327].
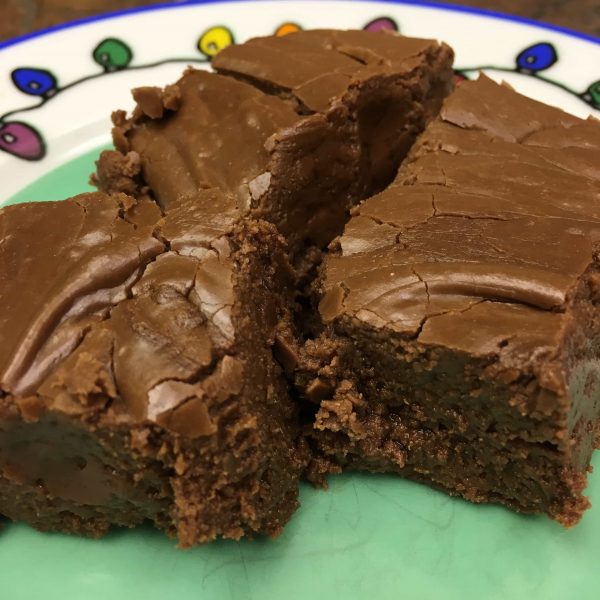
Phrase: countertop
[21,16]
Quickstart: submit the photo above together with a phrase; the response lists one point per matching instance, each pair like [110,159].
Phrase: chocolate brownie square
[460,309]
[136,374]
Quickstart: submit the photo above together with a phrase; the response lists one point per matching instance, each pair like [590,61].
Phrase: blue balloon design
[537,57]
[35,82]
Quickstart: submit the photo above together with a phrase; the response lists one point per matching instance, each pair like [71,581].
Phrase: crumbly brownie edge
[260,452]
[380,406]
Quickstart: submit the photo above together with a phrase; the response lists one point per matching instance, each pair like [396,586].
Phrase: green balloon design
[594,93]
[112,54]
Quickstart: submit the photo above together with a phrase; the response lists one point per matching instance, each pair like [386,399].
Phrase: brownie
[460,311]
[296,128]
[136,375]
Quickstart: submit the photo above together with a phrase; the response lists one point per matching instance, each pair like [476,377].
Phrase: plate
[367,536]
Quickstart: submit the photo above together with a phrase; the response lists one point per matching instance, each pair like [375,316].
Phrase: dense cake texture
[296,128]
[136,374]
[461,341]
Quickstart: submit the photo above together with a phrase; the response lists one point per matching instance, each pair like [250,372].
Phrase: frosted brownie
[296,128]
[136,375]
[462,339]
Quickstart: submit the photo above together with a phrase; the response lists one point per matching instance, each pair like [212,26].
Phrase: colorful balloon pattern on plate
[23,141]
[112,54]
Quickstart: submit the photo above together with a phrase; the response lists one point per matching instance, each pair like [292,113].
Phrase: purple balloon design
[21,140]
[381,24]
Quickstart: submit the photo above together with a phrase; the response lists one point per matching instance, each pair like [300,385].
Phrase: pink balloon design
[21,140]
[381,24]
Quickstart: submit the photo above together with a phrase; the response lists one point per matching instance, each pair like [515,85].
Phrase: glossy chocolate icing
[90,257]
[317,68]
[110,291]
[486,227]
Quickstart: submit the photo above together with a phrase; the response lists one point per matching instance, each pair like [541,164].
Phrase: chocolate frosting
[318,66]
[128,303]
[218,117]
[483,237]
[90,257]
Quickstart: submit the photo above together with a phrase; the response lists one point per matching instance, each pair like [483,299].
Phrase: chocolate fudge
[136,374]
[296,128]
[461,311]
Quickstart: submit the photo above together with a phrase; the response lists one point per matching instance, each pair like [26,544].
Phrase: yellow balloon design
[213,40]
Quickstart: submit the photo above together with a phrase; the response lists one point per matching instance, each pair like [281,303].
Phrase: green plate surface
[368,536]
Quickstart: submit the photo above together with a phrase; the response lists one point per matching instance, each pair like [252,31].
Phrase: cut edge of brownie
[260,432]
